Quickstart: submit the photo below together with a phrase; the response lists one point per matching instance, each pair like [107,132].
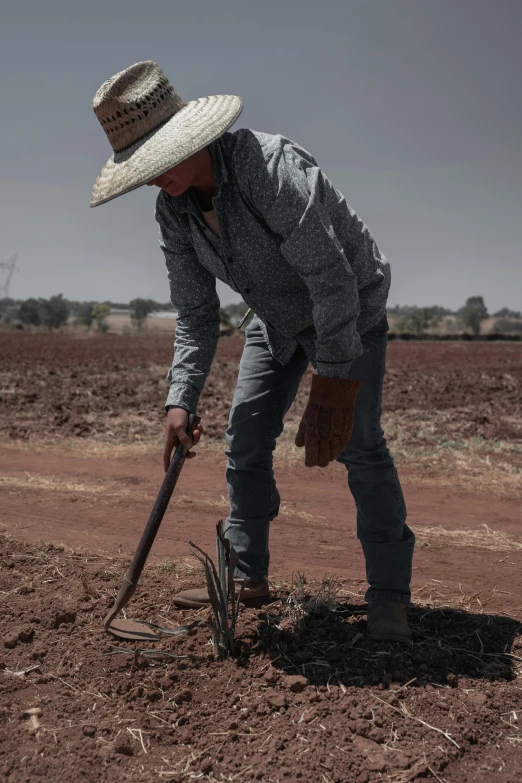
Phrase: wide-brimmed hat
[151,129]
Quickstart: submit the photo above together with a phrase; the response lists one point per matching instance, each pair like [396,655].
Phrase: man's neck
[204,185]
[204,199]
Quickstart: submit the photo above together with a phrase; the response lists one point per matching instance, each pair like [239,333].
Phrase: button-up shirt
[288,242]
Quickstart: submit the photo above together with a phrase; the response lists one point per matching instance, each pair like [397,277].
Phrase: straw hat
[151,129]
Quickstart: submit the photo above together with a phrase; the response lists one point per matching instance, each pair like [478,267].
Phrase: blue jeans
[264,393]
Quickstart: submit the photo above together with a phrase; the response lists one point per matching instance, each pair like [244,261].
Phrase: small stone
[62,617]
[376,763]
[452,680]
[183,696]
[89,731]
[296,683]
[123,747]
[271,675]
[38,653]
[362,727]
[32,711]
[206,767]
[276,701]
[11,641]
[479,699]
[26,635]
[185,736]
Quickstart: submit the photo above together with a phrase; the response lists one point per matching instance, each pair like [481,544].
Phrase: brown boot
[253,594]
[387,622]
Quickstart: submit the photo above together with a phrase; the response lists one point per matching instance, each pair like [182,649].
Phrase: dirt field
[122,324]
[80,449]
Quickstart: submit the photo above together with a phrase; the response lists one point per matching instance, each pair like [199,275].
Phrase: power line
[7,269]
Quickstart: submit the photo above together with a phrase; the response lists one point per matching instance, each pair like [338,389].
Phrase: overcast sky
[412,108]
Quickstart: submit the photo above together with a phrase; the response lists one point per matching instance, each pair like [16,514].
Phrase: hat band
[123,150]
[127,123]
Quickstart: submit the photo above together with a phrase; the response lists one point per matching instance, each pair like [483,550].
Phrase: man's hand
[327,423]
[176,433]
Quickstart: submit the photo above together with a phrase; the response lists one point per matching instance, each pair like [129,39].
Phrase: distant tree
[504,325]
[55,312]
[100,313]
[30,312]
[84,314]
[399,310]
[507,313]
[226,322]
[420,319]
[140,310]
[473,313]
[235,312]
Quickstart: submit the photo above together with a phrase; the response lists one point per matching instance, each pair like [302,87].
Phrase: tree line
[417,320]
[55,312]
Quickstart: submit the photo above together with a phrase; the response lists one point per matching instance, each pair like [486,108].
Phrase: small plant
[169,565]
[222,593]
[304,601]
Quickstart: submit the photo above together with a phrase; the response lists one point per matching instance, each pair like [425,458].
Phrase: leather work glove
[327,423]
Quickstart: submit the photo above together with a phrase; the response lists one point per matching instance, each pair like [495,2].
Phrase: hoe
[139,629]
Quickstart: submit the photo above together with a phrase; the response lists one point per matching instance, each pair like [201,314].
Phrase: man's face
[179,179]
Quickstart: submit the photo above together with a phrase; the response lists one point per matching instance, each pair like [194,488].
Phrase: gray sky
[412,107]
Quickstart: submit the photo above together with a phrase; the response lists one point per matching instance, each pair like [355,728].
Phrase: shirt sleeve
[193,294]
[294,196]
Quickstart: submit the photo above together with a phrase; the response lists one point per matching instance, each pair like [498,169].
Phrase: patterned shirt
[288,242]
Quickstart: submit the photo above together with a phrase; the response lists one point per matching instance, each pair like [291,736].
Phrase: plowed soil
[115,386]
[309,697]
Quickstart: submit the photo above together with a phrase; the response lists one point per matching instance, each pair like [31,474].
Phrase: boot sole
[250,603]
[389,637]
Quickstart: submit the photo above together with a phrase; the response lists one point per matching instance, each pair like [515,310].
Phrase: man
[255,211]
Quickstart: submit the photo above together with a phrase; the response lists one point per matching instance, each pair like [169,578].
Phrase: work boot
[253,594]
[387,622]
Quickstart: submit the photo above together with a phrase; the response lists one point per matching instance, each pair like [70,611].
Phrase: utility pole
[7,269]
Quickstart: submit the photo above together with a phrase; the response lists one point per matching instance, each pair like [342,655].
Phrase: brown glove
[326,426]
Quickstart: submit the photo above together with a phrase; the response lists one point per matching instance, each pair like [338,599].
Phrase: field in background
[452,411]
[450,325]
[122,324]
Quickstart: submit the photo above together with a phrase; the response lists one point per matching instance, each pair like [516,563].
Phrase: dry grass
[304,599]
[429,443]
[53,484]
[483,538]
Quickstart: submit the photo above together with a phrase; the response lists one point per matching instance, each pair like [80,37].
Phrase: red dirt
[108,516]
[236,722]
[367,712]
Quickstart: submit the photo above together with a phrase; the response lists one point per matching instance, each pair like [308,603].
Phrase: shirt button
[247,290]
[230,259]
